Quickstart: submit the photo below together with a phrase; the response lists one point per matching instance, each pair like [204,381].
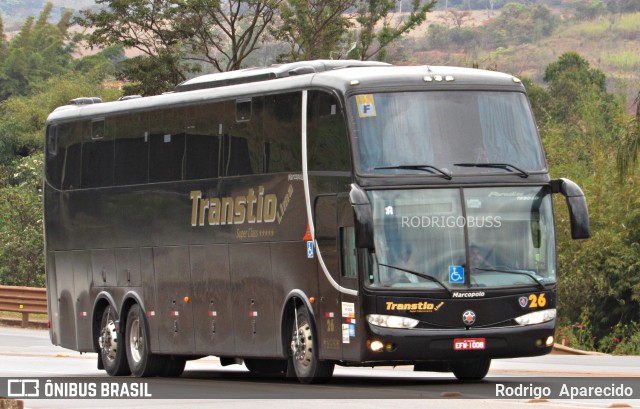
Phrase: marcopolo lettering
[472,294]
[254,207]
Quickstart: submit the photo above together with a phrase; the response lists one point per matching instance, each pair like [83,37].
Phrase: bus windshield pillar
[363,217]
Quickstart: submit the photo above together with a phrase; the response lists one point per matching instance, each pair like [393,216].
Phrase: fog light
[550,341]
[376,346]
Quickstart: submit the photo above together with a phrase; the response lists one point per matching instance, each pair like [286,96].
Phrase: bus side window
[70,139]
[132,149]
[167,145]
[204,124]
[282,123]
[54,161]
[348,252]
[242,146]
[327,144]
[97,156]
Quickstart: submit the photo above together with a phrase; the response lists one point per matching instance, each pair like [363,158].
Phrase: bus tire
[472,370]
[112,345]
[173,366]
[141,361]
[304,351]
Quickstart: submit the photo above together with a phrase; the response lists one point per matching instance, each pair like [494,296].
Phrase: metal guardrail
[26,300]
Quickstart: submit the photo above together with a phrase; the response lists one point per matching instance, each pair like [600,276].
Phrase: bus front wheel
[304,351]
[141,361]
[472,370]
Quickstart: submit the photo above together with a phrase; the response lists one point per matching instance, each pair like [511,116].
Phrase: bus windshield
[446,133]
[463,238]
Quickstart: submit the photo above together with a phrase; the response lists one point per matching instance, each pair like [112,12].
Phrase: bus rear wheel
[304,351]
[112,345]
[472,370]
[141,361]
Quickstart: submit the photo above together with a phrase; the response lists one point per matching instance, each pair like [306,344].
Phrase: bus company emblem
[254,207]
[523,301]
[468,317]
[422,306]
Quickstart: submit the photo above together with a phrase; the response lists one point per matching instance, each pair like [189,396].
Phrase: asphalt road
[29,354]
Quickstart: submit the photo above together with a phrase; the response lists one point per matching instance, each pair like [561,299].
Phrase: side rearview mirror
[363,217]
[577,204]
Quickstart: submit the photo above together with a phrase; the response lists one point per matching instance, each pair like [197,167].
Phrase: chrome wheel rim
[136,341]
[108,341]
[302,346]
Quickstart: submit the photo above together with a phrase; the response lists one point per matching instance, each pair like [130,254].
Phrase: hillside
[15,12]
[610,43]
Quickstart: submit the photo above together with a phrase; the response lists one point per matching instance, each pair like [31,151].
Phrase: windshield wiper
[505,166]
[422,275]
[519,272]
[429,168]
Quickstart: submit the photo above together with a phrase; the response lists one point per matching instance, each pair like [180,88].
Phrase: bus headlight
[391,321]
[537,317]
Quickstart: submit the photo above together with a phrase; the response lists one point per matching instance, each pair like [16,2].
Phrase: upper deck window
[400,130]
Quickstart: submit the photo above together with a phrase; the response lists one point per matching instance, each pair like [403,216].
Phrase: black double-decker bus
[302,216]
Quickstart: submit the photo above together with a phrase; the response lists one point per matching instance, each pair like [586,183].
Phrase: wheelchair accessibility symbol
[456,274]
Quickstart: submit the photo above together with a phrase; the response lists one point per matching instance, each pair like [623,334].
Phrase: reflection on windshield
[462,238]
[445,128]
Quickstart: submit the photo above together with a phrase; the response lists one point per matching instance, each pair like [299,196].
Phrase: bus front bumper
[410,345]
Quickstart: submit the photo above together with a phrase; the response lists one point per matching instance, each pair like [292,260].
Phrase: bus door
[338,318]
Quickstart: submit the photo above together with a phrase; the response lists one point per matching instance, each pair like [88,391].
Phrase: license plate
[469,344]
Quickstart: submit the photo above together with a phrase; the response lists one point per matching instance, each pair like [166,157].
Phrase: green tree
[21,249]
[149,75]
[378,26]
[523,24]
[573,85]
[177,37]
[588,9]
[326,29]
[22,118]
[629,149]
[39,51]
[599,279]
[22,121]
[313,29]
[3,41]
[225,33]
[146,26]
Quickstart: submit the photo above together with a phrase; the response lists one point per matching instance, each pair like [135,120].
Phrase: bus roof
[345,76]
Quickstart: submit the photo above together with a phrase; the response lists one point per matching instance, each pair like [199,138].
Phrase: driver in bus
[476,259]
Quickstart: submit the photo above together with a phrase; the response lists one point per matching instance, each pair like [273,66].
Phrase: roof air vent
[85,101]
